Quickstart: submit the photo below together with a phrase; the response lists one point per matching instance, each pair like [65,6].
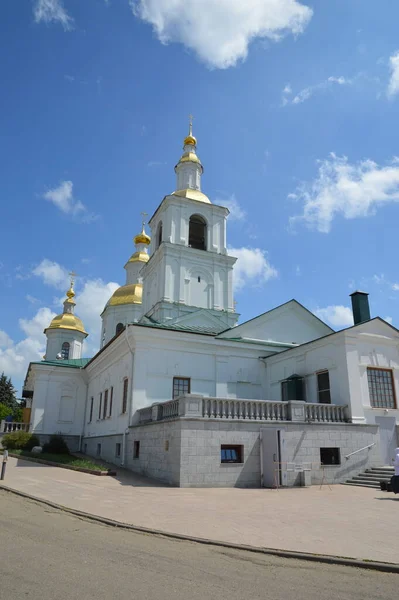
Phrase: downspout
[126,432]
[84,419]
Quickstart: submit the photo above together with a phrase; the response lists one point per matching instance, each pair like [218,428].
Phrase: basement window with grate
[231,454]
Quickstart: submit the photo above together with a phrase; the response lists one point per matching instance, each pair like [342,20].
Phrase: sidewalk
[342,521]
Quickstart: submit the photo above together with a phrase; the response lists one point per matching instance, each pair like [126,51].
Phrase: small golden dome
[142,238]
[190,140]
[70,293]
[127,294]
[67,321]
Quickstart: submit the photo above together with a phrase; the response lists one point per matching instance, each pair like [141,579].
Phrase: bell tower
[189,268]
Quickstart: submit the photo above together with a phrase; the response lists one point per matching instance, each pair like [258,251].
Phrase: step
[362,484]
[382,469]
[376,477]
[360,479]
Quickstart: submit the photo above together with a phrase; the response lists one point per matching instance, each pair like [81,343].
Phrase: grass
[62,459]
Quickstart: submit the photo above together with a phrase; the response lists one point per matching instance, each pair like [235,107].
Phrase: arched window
[197,233]
[159,234]
[65,350]
[119,328]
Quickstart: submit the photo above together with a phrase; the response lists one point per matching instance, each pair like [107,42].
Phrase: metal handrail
[360,449]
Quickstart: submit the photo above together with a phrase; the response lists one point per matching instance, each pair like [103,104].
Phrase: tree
[7,392]
[5,411]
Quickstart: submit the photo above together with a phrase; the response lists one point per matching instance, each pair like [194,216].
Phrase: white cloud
[220,31]
[90,302]
[48,11]
[336,315]
[388,320]
[309,91]
[5,340]
[350,190]
[62,197]
[32,299]
[52,274]
[16,356]
[237,213]
[252,267]
[395,287]
[34,327]
[393,86]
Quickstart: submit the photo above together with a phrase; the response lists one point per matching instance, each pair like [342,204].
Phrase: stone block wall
[193,455]
[108,447]
[160,451]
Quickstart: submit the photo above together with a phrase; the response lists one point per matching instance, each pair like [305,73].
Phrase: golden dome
[127,294]
[142,238]
[190,140]
[192,195]
[190,157]
[67,321]
[139,257]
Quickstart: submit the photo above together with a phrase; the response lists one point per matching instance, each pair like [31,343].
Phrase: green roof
[74,363]
[183,328]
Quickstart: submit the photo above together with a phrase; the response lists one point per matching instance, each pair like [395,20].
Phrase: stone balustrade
[200,407]
[10,426]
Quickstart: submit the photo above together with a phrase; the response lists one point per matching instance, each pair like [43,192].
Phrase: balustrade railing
[169,410]
[146,414]
[10,426]
[249,410]
[325,413]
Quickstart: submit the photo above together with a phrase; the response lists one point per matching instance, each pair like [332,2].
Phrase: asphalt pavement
[47,554]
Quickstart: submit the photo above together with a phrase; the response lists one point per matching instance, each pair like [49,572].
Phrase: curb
[321,558]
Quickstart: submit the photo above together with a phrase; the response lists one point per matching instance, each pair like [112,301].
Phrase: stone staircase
[372,477]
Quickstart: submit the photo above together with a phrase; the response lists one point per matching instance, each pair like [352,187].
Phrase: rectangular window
[105,404]
[136,449]
[231,454]
[124,398]
[181,386]
[330,456]
[100,405]
[98,449]
[118,450]
[110,401]
[381,388]
[323,387]
[91,409]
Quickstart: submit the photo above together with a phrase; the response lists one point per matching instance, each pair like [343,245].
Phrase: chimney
[360,307]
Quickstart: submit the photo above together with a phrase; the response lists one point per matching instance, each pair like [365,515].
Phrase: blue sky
[295,106]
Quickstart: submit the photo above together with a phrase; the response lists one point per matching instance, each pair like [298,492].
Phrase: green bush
[20,440]
[56,445]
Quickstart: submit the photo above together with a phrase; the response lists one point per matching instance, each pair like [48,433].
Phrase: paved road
[47,554]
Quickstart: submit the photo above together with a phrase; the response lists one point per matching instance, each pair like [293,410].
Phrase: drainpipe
[84,419]
[129,414]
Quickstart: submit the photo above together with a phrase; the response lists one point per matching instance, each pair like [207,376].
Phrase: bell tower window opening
[65,350]
[159,235]
[197,233]
[119,328]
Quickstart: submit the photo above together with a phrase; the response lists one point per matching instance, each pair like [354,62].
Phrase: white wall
[346,355]
[216,368]
[110,369]
[58,400]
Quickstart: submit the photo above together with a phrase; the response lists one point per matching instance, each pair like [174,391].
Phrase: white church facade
[179,392]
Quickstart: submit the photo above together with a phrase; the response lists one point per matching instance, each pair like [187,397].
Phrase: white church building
[181,393]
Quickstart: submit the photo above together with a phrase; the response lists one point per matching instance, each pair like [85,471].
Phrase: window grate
[181,386]
[381,388]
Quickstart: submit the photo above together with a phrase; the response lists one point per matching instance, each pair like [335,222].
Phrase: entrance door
[271,440]
[388,438]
